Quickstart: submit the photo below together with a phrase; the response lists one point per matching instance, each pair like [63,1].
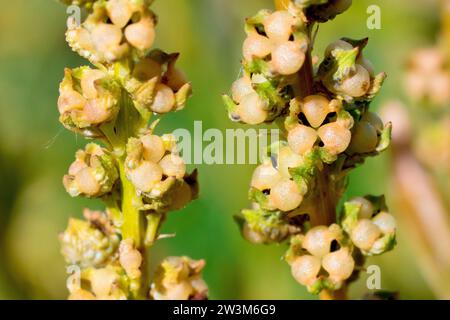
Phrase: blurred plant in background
[421,157]
[35,150]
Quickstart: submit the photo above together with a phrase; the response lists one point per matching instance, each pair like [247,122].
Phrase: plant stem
[325,211]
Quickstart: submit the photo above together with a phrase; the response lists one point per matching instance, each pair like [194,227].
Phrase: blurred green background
[35,151]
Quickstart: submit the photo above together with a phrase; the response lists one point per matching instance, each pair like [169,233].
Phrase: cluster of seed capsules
[328,132]
[113,103]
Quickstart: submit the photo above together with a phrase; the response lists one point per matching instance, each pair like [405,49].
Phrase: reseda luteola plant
[323,111]
[138,174]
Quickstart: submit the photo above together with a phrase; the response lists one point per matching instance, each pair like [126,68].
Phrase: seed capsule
[385,222]
[278,26]
[365,234]
[130,259]
[173,166]
[339,44]
[286,160]
[146,176]
[256,46]
[154,148]
[335,137]
[265,177]
[318,241]
[288,58]
[164,100]
[141,35]
[301,139]
[374,120]
[252,109]
[147,69]
[102,281]
[315,108]
[119,11]
[241,88]
[367,208]
[356,85]
[286,195]
[305,269]
[364,139]
[339,264]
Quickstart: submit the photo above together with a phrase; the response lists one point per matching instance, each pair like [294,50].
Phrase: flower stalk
[137,173]
[323,113]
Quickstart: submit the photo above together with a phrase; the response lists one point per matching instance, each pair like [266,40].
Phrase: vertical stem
[325,213]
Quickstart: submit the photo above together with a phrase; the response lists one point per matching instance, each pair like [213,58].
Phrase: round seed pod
[146,176]
[364,234]
[278,26]
[286,195]
[374,120]
[251,110]
[164,100]
[318,241]
[154,148]
[86,182]
[356,85]
[366,64]
[130,259]
[364,138]
[367,208]
[119,11]
[256,46]
[339,44]
[305,269]
[287,159]
[241,88]
[288,58]
[173,166]
[106,39]
[335,137]
[315,108]
[141,34]
[301,139]
[385,222]
[265,177]
[339,264]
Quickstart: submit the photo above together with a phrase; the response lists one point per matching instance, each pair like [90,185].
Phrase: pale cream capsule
[385,222]
[265,177]
[130,259]
[339,44]
[119,11]
[318,241]
[251,110]
[98,110]
[364,139]
[256,46]
[102,281]
[305,269]
[286,195]
[86,182]
[288,58]
[367,208]
[315,108]
[241,88]
[278,26]
[286,160]
[141,35]
[251,235]
[358,84]
[364,234]
[70,100]
[339,264]
[335,137]
[106,37]
[88,83]
[146,176]
[301,139]
[173,166]
[164,99]
[154,148]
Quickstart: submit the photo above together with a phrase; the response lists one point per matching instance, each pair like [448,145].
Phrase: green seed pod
[85,245]
[179,278]
[93,174]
